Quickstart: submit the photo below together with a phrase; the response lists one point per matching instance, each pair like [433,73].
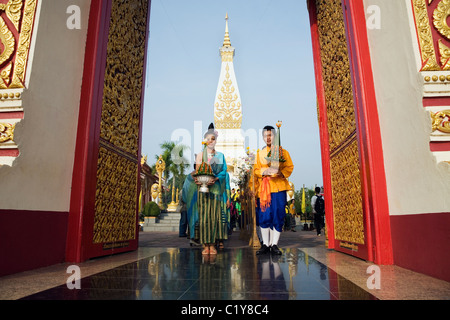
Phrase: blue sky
[273,65]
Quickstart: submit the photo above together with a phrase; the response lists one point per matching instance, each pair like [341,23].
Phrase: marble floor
[166,267]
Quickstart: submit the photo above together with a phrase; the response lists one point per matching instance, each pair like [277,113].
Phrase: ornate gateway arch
[70,131]
[351,154]
[103,209]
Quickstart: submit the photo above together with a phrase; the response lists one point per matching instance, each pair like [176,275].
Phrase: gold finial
[226,41]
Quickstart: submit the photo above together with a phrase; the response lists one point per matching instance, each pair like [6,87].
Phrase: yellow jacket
[292,209]
[277,184]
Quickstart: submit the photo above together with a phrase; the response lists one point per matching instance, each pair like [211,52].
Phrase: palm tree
[176,163]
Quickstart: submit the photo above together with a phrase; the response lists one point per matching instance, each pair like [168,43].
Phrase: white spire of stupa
[228,106]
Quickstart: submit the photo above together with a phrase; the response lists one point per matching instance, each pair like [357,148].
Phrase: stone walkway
[166,267]
[288,239]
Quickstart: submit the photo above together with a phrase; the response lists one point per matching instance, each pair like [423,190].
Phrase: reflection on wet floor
[234,274]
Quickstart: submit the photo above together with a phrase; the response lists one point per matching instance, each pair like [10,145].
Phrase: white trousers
[270,237]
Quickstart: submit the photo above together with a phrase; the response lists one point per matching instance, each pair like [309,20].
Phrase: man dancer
[273,186]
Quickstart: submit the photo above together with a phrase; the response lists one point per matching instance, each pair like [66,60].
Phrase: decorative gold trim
[14,11]
[436,78]
[226,40]
[337,84]
[118,159]
[124,73]
[440,15]
[427,50]
[7,132]
[7,39]
[5,75]
[343,143]
[441,121]
[348,245]
[115,201]
[160,166]
[347,195]
[227,56]
[23,49]
[10,95]
[444,52]
[228,112]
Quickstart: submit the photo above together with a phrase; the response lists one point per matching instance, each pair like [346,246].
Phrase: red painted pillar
[86,150]
[323,123]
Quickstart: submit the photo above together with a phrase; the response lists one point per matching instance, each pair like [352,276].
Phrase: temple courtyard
[167,267]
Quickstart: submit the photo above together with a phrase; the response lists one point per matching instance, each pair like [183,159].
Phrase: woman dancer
[210,204]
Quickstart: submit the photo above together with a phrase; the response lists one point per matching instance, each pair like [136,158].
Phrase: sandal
[212,250]
[221,245]
[206,250]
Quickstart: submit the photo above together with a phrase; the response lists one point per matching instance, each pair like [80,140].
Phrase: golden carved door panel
[117,173]
[116,210]
[104,206]
[346,219]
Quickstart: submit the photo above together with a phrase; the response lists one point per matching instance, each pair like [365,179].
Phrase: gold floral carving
[117,169]
[160,166]
[347,199]
[336,72]
[6,132]
[14,11]
[7,39]
[428,52]
[440,17]
[21,14]
[444,52]
[227,56]
[228,112]
[115,202]
[343,145]
[18,80]
[6,72]
[124,75]
[441,121]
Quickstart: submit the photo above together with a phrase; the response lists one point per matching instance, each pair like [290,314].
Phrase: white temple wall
[40,178]
[416,182]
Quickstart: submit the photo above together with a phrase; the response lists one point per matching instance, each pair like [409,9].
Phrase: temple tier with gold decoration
[228,109]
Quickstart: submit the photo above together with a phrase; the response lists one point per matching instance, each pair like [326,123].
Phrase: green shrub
[151,209]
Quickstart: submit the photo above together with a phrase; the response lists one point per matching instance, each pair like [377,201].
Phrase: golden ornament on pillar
[173,206]
[143,160]
[291,191]
[155,192]
[6,132]
[160,167]
[441,121]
